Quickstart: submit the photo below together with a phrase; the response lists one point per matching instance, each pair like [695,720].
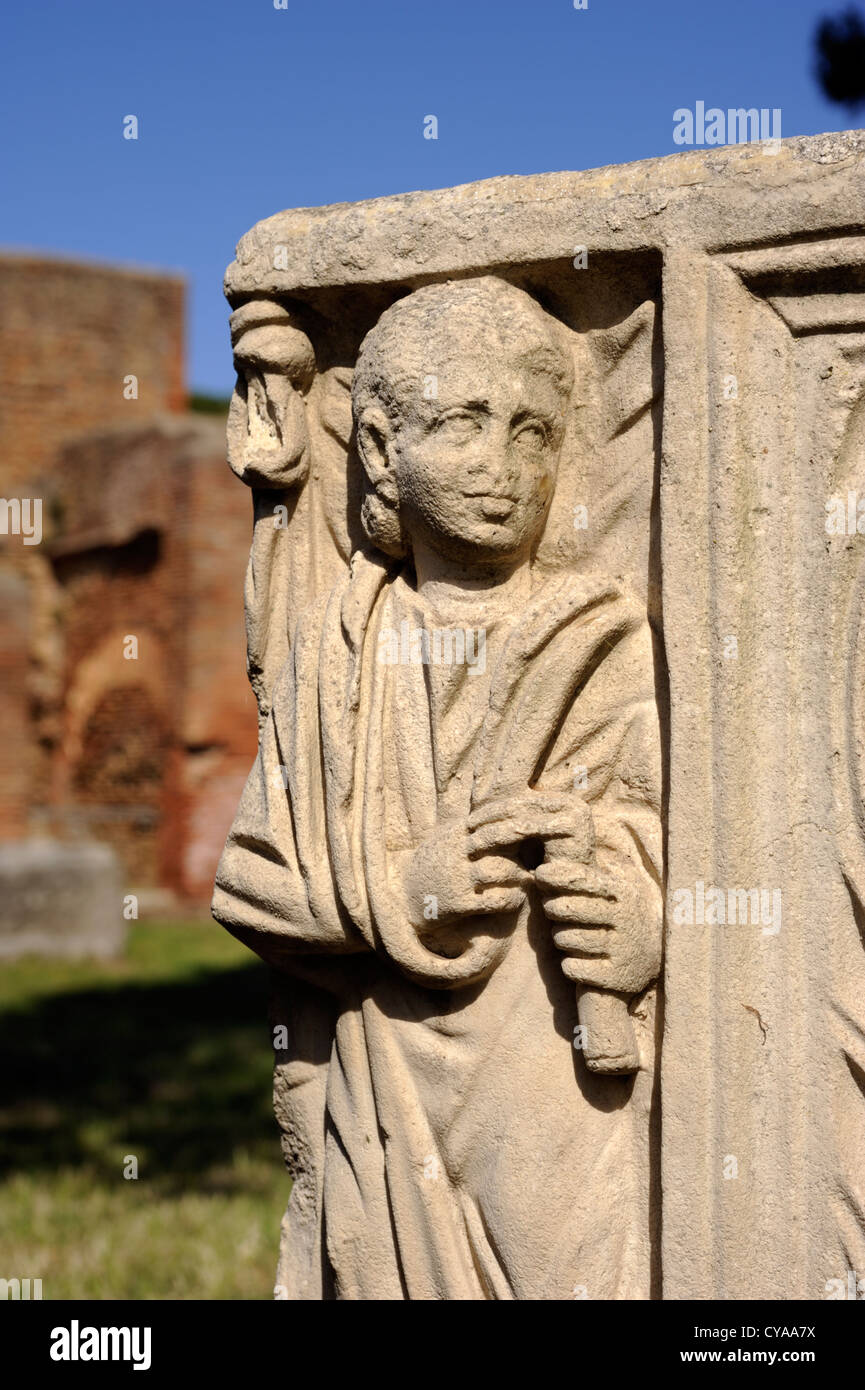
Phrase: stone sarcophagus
[556,836]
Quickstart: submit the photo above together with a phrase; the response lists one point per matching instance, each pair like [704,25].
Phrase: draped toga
[446,1138]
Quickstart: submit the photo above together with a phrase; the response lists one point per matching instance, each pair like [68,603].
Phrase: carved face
[268,439]
[476,466]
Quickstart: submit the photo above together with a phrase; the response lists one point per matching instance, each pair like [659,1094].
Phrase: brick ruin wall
[146,533]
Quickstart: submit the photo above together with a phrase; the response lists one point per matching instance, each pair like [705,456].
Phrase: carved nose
[490,464]
[492,478]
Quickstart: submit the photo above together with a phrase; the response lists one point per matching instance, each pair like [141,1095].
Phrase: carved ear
[374,440]
[380,510]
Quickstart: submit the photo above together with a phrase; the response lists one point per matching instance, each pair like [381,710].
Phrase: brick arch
[106,669]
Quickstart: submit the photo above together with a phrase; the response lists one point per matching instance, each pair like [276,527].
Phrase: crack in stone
[763,1027]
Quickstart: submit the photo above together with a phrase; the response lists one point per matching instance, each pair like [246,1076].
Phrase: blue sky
[245,109]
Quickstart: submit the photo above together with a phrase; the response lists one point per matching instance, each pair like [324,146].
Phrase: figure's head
[459,396]
[268,437]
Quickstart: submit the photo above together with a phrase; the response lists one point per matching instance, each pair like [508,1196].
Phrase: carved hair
[400,354]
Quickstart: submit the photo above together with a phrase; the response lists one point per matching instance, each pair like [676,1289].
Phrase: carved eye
[459,424]
[531,433]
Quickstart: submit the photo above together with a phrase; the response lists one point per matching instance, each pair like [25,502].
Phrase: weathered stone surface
[60,900]
[609,426]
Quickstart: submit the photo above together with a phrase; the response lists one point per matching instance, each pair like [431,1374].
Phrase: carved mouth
[495,506]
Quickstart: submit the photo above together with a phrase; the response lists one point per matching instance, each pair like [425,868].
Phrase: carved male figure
[447,848]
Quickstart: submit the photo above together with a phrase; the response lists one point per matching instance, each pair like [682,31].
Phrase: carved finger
[499,869]
[588,911]
[556,874]
[533,823]
[490,900]
[506,807]
[592,971]
[582,940]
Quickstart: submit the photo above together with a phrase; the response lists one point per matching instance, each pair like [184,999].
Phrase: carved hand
[443,882]
[551,817]
[607,921]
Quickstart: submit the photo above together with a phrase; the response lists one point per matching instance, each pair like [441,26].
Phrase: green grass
[208,405]
[166,1056]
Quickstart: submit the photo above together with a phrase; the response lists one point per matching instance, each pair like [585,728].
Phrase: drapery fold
[344,787]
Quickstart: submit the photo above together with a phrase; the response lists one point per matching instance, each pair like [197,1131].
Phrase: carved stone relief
[553,646]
